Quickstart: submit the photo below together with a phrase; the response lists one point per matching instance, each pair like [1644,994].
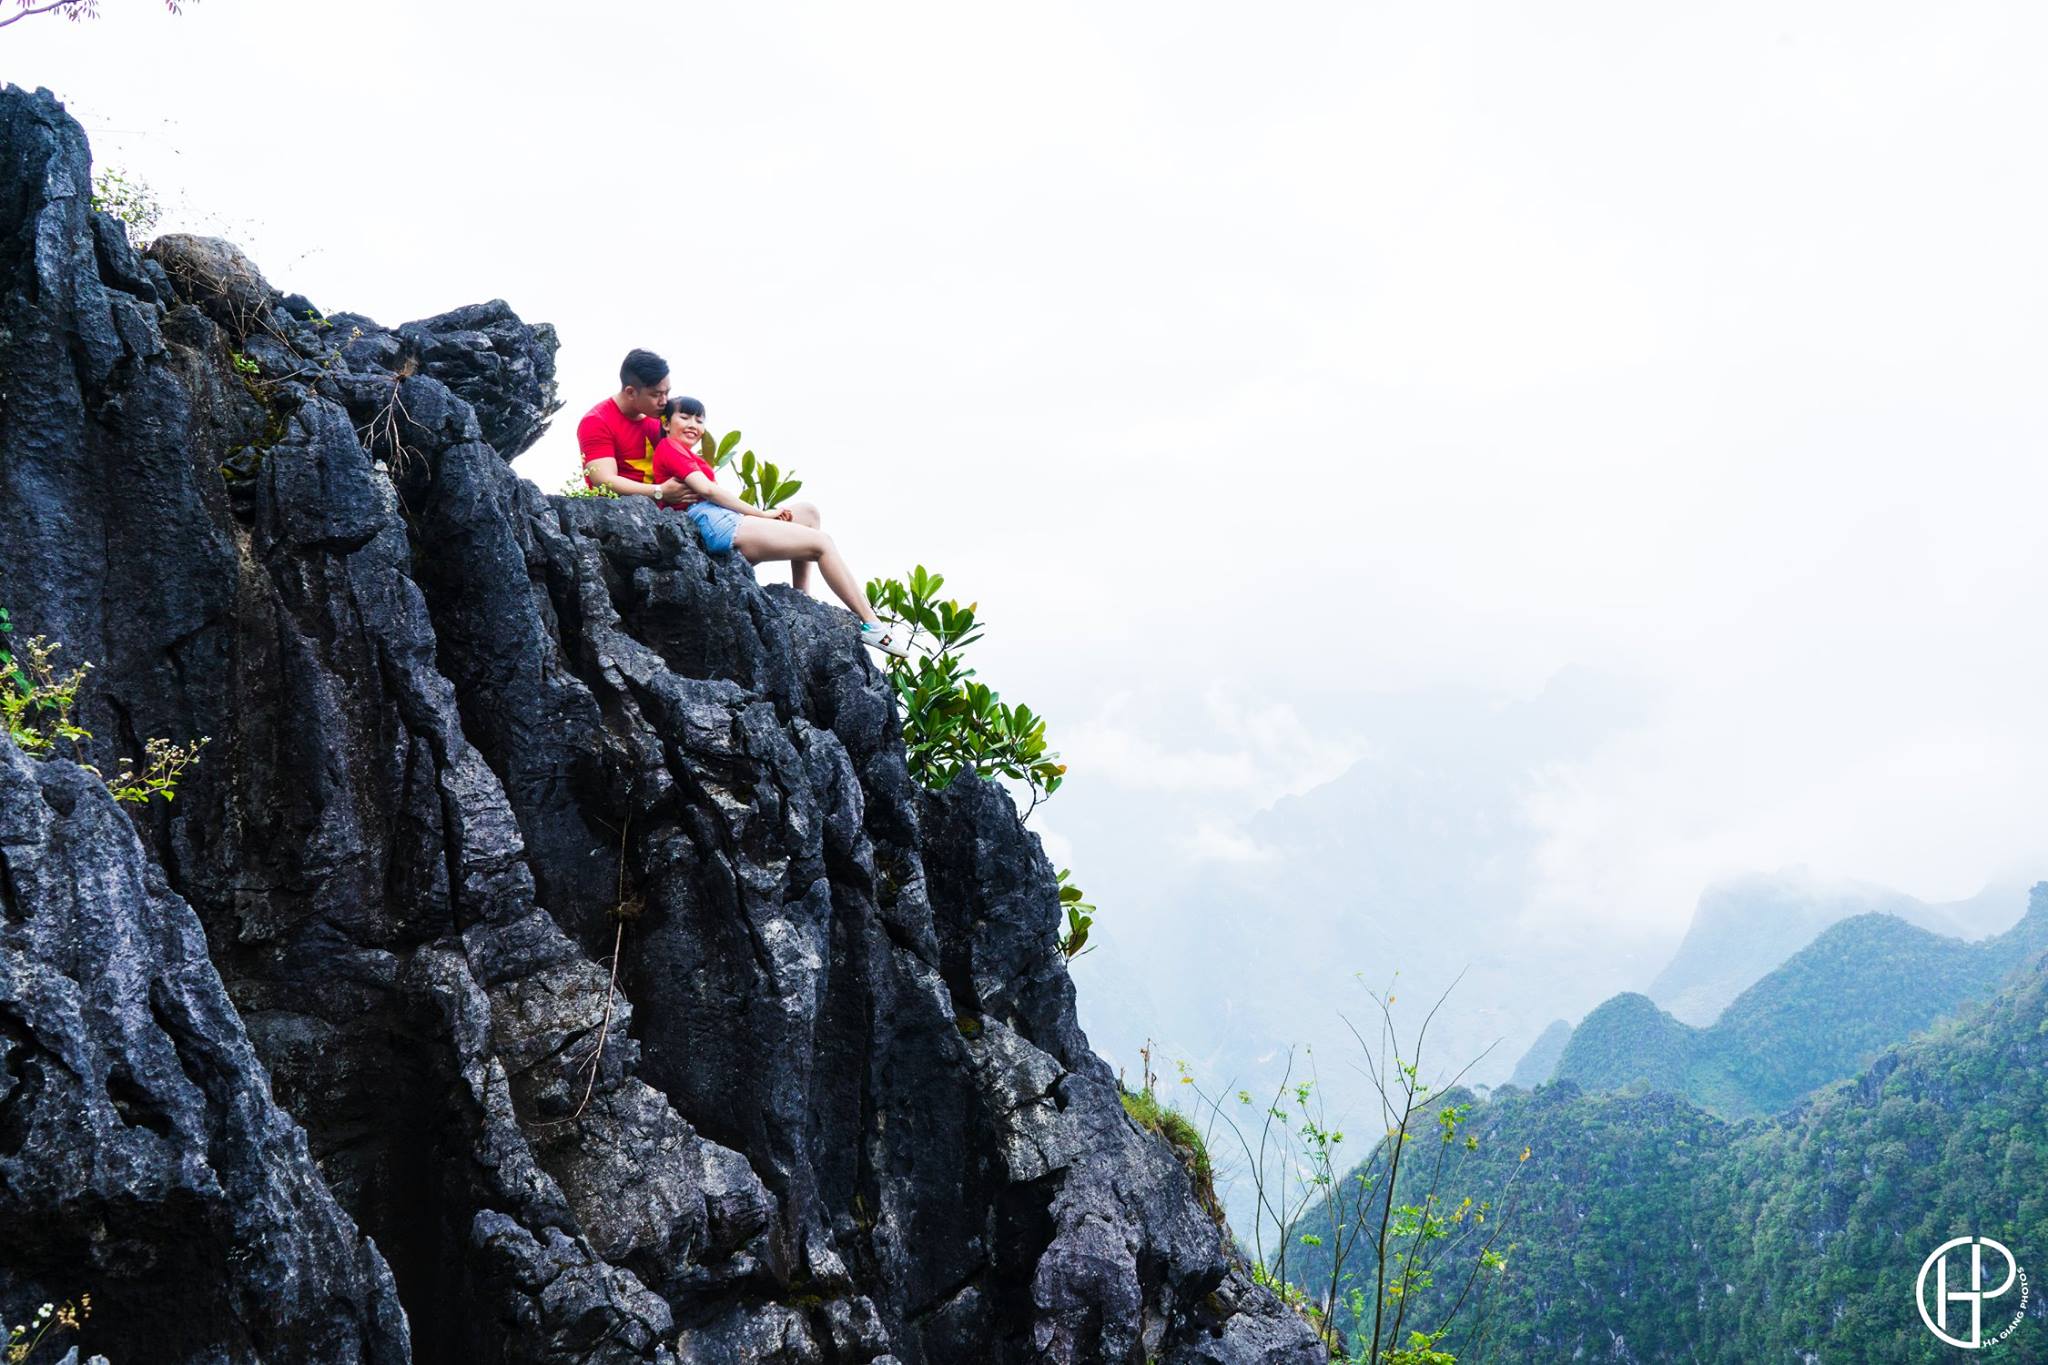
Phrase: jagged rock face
[552,940]
[141,1158]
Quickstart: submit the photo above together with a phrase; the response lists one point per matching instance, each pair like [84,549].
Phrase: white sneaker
[887,637]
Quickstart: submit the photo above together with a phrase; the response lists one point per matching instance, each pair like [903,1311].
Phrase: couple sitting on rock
[642,443]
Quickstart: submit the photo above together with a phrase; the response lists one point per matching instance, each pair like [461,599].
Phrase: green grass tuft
[1186,1141]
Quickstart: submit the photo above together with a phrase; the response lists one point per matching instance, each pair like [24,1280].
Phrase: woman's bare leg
[806,514]
[760,539]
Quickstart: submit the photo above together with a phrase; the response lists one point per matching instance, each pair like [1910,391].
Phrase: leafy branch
[761,483]
[1080,916]
[953,723]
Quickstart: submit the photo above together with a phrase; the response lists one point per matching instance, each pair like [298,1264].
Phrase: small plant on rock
[1154,1115]
[34,699]
[577,488]
[128,198]
[163,764]
[37,702]
[1080,916]
[22,1339]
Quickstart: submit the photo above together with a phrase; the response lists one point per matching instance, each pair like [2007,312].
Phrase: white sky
[1267,372]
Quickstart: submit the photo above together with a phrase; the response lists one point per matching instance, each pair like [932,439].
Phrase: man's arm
[604,472]
[601,464]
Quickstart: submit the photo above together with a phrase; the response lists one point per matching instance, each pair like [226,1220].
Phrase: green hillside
[1646,1230]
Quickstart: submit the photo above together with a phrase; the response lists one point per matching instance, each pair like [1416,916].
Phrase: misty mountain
[1745,926]
[1539,1063]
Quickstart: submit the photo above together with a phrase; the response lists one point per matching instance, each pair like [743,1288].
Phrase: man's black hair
[676,405]
[642,370]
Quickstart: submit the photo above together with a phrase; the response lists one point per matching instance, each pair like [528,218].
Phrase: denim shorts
[715,524]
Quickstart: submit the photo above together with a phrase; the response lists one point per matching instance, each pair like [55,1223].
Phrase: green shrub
[953,724]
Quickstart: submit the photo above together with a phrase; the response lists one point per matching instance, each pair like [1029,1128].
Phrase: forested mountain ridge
[1865,983]
[1745,927]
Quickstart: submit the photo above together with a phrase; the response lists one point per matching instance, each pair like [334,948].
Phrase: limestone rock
[552,940]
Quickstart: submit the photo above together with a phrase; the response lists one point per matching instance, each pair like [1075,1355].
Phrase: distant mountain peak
[1746,925]
[1864,983]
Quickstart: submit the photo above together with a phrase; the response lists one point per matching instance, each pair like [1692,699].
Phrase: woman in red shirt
[726,522]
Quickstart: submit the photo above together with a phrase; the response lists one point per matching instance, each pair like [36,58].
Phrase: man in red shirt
[618,436]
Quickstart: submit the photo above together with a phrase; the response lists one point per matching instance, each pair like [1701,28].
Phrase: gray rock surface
[552,939]
[141,1158]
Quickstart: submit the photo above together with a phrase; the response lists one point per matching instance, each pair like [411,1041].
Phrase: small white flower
[45,1311]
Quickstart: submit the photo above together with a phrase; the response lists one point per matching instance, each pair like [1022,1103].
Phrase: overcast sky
[1276,375]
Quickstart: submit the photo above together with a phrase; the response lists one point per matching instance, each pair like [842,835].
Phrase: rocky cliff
[333,1059]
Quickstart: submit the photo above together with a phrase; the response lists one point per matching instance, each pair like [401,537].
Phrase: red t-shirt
[605,433]
[671,461]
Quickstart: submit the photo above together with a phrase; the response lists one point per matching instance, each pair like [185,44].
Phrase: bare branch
[41,9]
[71,9]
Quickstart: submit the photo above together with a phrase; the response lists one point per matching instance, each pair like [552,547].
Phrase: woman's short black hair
[642,370]
[676,405]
